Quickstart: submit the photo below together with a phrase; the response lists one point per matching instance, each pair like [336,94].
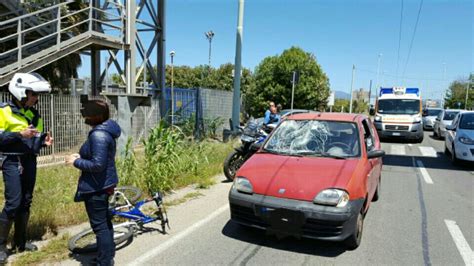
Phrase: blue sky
[339,33]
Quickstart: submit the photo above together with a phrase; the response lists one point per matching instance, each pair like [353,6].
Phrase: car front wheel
[353,241]
[454,159]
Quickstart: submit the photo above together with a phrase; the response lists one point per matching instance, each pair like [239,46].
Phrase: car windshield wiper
[280,152]
[325,154]
[309,153]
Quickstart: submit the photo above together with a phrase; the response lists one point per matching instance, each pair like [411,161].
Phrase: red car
[314,177]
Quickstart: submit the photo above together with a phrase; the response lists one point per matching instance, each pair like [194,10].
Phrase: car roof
[346,117]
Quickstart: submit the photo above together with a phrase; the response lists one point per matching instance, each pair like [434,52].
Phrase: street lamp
[209,35]
[172,53]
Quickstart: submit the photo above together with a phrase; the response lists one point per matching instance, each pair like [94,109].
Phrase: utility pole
[238,66]
[467,93]
[377,85]
[445,85]
[370,91]
[352,87]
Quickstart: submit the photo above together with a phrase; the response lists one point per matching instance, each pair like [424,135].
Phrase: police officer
[21,138]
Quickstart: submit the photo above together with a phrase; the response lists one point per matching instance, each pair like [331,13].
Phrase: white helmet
[21,82]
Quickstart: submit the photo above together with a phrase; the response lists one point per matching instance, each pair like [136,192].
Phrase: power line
[395,76]
[400,37]
[413,37]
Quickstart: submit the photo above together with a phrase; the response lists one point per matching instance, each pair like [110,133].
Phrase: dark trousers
[19,177]
[97,207]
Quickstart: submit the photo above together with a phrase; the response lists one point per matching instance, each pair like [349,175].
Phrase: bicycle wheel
[133,194]
[85,241]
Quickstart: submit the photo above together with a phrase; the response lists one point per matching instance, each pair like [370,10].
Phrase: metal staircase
[31,40]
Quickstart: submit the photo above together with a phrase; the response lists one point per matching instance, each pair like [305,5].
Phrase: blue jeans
[97,208]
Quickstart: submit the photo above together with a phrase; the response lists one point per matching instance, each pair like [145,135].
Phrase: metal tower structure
[33,38]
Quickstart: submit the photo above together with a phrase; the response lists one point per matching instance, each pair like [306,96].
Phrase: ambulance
[398,114]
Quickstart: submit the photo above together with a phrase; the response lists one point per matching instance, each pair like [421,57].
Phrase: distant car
[442,120]
[459,141]
[315,177]
[429,117]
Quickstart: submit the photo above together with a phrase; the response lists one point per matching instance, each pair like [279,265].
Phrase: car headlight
[417,119]
[243,185]
[378,118]
[332,197]
[466,140]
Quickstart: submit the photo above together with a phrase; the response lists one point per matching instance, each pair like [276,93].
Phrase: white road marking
[170,242]
[424,173]
[428,151]
[461,243]
[397,150]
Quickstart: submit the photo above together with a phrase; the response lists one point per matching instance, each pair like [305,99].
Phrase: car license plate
[395,133]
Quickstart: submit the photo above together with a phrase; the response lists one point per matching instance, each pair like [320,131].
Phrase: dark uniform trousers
[19,177]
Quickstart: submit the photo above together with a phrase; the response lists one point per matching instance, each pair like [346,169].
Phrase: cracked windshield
[323,138]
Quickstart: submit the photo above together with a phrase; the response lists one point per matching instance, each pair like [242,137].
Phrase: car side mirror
[256,146]
[372,111]
[437,119]
[375,154]
[451,128]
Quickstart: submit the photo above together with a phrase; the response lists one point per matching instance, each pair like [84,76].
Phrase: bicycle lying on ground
[123,205]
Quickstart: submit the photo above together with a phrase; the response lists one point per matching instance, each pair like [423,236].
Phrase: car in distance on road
[443,120]
[459,140]
[429,117]
[314,177]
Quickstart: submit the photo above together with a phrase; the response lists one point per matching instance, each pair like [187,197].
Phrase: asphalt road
[425,216]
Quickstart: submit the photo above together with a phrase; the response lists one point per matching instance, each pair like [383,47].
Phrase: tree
[200,77]
[341,105]
[456,94]
[273,82]
[359,107]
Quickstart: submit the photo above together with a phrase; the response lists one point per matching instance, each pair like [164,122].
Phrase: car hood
[300,178]
[465,133]
[430,117]
[447,122]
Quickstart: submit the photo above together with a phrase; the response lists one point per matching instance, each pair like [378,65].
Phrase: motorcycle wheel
[232,163]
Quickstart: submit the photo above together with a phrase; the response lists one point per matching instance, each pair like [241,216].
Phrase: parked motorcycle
[252,133]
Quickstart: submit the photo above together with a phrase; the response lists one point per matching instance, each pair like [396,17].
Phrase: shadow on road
[260,238]
[439,162]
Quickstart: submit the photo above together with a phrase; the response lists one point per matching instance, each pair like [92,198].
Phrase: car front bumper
[464,152]
[287,217]
[412,131]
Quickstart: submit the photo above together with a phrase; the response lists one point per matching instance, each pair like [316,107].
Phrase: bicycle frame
[135,214]
[133,211]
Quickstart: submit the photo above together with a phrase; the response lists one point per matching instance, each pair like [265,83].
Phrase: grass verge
[55,250]
[53,205]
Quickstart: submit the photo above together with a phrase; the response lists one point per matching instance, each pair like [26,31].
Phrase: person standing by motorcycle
[21,138]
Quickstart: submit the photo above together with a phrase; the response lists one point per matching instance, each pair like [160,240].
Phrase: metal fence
[62,117]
